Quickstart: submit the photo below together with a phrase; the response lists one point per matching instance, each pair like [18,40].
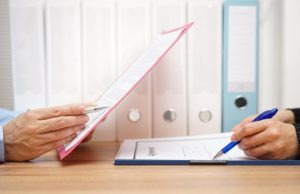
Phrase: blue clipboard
[207,162]
[186,150]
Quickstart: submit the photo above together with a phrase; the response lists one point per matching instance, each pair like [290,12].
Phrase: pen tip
[218,155]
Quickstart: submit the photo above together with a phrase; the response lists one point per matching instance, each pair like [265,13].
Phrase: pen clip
[94,109]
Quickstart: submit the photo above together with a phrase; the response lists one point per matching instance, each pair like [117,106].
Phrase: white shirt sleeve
[2,159]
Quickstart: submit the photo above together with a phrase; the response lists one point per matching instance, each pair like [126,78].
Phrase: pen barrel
[230,146]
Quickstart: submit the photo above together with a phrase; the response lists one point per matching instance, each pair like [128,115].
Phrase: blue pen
[265,115]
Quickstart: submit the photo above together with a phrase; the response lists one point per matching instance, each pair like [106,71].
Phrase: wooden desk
[89,169]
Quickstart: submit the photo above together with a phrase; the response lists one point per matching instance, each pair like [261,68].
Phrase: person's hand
[266,139]
[38,131]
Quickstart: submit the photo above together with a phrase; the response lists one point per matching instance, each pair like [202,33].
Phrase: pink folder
[148,60]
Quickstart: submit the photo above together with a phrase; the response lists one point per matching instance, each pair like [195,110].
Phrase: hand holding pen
[265,115]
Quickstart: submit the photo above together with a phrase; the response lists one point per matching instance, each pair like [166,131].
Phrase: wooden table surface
[90,169]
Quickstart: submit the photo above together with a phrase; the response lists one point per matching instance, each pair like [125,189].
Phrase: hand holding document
[126,83]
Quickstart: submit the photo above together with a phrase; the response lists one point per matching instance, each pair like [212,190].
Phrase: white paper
[180,148]
[127,81]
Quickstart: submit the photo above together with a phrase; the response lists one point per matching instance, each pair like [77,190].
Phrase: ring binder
[240,61]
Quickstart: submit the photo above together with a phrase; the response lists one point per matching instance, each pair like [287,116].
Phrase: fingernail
[233,137]
[235,129]
[82,127]
[73,136]
[81,108]
[87,118]
[250,124]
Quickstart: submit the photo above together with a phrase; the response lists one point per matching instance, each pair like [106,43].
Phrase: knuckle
[279,145]
[273,133]
[81,119]
[270,122]
[240,146]
[245,131]
[56,112]
[245,143]
[29,114]
[248,152]
[252,153]
[56,145]
[61,122]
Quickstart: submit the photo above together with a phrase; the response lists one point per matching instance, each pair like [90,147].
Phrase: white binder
[169,78]
[134,35]
[204,67]
[63,51]
[99,57]
[28,57]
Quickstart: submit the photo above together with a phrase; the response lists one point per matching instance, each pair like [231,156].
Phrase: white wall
[279,54]
[6,92]
[270,64]
[291,53]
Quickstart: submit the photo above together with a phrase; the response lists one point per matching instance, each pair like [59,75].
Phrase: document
[187,150]
[126,83]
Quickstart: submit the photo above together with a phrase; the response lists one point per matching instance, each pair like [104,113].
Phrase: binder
[99,57]
[134,35]
[240,61]
[28,57]
[204,67]
[63,40]
[169,97]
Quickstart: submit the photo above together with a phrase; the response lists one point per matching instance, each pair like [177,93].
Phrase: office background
[60,51]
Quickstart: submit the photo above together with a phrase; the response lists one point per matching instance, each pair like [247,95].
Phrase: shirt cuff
[297,127]
[2,159]
[296,112]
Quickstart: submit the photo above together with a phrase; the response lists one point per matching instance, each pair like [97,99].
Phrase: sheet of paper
[127,82]
[182,148]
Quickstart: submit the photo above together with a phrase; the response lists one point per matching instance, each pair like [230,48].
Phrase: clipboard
[195,150]
[126,83]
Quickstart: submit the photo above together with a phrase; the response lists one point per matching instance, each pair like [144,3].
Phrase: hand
[38,131]
[266,139]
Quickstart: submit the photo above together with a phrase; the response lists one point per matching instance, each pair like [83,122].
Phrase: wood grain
[90,169]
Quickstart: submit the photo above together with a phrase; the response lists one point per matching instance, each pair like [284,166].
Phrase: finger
[242,123]
[60,134]
[66,110]
[89,104]
[57,123]
[250,129]
[56,144]
[261,152]
[255,140]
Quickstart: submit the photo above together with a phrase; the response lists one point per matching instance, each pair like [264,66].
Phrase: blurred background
[56,52]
